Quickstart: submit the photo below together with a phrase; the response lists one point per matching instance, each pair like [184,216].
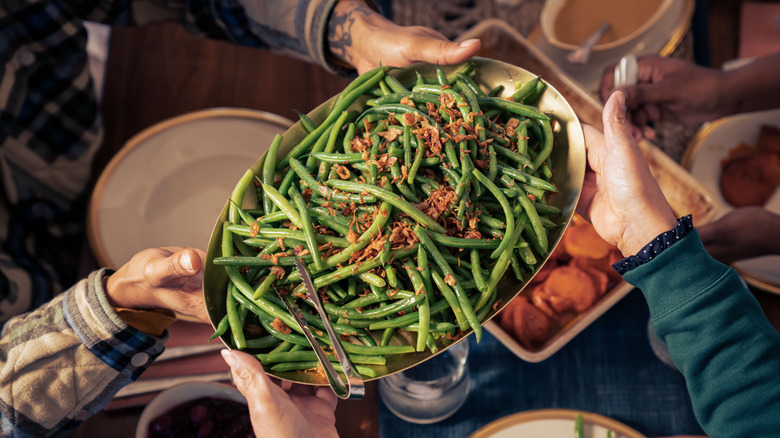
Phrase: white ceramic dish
[168,183]
[703,159]
[179,394]
[660,38]
[554,423]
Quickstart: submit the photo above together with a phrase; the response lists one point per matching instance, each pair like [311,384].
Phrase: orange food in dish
[750,175]
[530,324]
[581,240]
[571,282]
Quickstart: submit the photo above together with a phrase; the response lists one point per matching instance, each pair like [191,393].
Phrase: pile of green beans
[408,212]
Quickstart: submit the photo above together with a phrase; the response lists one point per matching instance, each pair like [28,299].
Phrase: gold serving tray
[568,158]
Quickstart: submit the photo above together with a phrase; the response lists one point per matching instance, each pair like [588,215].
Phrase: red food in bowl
[203,417]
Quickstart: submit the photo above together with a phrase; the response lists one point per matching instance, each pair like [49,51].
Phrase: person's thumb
[617,128]
[249,378]
[447,52]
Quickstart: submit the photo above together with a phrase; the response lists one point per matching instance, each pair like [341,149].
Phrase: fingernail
[186,262]
[227,355]
[469,43]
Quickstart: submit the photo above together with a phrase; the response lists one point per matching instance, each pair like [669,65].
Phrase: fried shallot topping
[439,202]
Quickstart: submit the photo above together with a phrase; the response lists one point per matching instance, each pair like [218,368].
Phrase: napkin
[181,333]
[608,369]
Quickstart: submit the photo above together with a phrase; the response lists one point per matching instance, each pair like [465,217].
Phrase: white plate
[168,183]
[554,423]
[660,39]
[703,159]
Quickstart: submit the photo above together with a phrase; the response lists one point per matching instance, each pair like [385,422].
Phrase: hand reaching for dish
[365,39]
[671,89]
[620,197]
[678,90]
[161,278]
[742,233]
[279,413]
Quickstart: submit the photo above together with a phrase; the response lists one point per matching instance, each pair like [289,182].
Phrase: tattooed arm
[364,39]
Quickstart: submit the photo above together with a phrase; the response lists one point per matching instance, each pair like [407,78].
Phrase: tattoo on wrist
[340,30]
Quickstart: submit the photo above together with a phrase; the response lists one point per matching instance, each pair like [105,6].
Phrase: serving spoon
[581,54]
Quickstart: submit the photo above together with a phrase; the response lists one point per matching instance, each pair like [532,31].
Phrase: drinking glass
[431,391]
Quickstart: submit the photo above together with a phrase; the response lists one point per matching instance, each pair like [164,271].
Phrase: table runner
[608,369]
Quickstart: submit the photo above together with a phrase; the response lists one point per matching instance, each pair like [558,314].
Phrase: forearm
[753,87]
[348,26]
[73,354]
[717,336]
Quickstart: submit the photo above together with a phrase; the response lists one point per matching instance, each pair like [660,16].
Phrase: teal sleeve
[718,336]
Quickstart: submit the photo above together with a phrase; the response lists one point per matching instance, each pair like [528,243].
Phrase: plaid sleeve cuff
[122,347]
[652,249]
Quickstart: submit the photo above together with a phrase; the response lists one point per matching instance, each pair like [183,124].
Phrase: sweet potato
[581,240]
[568,288]
[530,326]
[769,139]
[747,181]
[598,276]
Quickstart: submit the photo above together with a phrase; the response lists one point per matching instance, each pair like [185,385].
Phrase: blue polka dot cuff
[660,243]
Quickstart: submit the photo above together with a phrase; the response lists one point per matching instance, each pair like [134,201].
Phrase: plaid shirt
[50,125]
[65,360]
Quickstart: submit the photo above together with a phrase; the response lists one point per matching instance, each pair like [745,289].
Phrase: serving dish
[185,392]
[554,423]
[684,192]
[703,159]
[146,195]
[568,162]
[661,37]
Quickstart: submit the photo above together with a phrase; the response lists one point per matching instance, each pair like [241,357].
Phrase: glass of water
[431,391]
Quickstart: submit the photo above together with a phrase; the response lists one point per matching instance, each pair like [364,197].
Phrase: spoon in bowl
[581,54]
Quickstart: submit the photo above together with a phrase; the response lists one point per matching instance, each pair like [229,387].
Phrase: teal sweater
[717,336]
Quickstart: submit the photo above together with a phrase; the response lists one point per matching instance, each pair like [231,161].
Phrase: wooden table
[159,72]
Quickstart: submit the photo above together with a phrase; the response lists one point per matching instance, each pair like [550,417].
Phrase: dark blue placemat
[609,369]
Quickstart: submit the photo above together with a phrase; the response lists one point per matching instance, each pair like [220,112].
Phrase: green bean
[547,144]
[509,217]
[331,143]
[468,311]
[222,328]
[237,196]
[526,178]
[521,160]
[343,102]
[236,328]
[496,91]
[394,85]
[262,342]
[308,228]
[536,224]
[308,356]
[390,197]
[476,271]
[323,190]
[525,90]
[423,307]
[283,204]
[385,209]
[498,270]
[307,123]
[269,170]
[513,107]
[298,366]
